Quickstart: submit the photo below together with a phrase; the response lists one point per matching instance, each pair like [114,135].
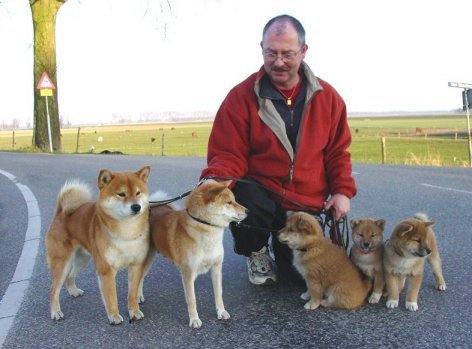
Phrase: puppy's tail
[73,194]
[421,216]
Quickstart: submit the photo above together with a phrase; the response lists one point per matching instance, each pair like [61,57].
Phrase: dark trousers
[265,213]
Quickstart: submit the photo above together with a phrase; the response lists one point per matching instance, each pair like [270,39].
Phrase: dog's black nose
[136,208]
[246,211]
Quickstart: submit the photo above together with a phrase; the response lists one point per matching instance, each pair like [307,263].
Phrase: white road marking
[11,301]
[446,188]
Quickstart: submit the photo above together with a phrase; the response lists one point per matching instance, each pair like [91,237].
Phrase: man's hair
[284,19]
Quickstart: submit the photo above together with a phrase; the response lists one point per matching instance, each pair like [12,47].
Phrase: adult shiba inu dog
[114,231]
[193,239]
[332,279]
[412,242]
[367,252]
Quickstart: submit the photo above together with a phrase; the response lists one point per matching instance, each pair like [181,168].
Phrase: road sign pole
[468,127]
[49,125]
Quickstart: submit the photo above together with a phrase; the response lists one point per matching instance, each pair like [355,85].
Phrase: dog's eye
[229,203]
[361,235]
[138,193]
[121,195]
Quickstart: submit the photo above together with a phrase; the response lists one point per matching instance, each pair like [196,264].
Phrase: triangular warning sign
[45,83]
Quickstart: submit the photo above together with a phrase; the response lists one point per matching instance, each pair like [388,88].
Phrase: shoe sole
[267,282]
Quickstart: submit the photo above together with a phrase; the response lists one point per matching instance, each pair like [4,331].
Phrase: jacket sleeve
[337,158]
[228,145]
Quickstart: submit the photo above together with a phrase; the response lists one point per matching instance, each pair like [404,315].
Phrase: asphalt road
[261,317]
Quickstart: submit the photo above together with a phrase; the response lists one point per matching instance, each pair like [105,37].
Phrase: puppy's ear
[380,223]
[144,173]
[429,223]
[403,228]
[354,222]
[227,183]
[104,177]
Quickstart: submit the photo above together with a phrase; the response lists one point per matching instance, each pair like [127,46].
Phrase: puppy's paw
[141,299]
[195,323]
[392,303]
[135,315]
[75,292]
[305,296]
[311,305]
[413,306]
[115,319]
[57,315]
[374,298]
[441,287]
[223,314]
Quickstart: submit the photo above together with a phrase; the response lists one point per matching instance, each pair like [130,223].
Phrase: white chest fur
[123,253]
[209,253]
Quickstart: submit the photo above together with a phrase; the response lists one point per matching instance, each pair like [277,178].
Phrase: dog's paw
[223,314]
[115,319]
[135,315]
[311,305]
[413,306]
[374,298]
[75,292]
[305,296]
[392,303]
[195,323]
[57,315]
[141,299]
[441,287]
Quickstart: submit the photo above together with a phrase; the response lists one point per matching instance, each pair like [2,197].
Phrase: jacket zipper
[290,176]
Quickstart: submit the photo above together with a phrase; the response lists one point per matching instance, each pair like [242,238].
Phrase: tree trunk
[44,23]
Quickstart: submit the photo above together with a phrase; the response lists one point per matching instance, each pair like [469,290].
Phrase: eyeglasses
[288,56]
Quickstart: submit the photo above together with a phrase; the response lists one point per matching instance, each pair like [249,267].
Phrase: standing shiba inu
[331,277]
[114,230]
[412,242]
[367,252]
[193,239]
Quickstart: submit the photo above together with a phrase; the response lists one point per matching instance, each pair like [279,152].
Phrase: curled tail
[421,216]
[73,194]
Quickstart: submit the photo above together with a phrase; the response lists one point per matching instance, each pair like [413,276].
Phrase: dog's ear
[380,223]
[289,213]
[212,193]
[104,177]
[227,183]
[354,222]
[429,223]
[404,228]
[144,173]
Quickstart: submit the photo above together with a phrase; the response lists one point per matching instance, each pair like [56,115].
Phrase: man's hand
[340,203]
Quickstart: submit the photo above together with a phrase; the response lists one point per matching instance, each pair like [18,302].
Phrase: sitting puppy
[332,279]
[367,252]
[412,242]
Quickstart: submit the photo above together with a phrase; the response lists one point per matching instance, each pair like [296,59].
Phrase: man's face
[282,54]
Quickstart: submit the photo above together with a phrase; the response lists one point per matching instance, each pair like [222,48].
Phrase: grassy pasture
[432,140]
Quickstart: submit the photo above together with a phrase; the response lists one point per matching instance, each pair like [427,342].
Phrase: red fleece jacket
[248,139]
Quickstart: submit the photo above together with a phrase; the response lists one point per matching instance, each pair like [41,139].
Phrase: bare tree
[44,14]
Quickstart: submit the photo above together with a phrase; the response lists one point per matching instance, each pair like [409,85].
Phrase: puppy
[331,277]
[114,231]
[367,252]
[193,239]
[412,242]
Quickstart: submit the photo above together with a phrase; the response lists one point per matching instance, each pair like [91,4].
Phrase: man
[285,130]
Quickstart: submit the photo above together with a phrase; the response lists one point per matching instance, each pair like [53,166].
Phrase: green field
[432,141]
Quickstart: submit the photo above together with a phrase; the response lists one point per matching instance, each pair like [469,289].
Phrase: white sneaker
[261,268]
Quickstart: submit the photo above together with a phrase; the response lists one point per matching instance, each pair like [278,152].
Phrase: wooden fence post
[78,136]
[384,151]
[13,141]
[162,143]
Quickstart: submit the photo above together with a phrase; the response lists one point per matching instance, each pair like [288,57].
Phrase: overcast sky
[128,57]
